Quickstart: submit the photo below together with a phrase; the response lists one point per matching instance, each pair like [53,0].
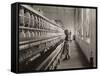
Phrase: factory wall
[86,34]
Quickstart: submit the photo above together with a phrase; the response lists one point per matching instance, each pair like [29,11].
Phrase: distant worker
[66,46]
[73,37]
[70,36]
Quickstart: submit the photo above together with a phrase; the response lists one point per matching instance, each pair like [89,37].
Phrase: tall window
[83,23]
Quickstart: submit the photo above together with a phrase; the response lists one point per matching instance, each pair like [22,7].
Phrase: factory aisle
[77,59]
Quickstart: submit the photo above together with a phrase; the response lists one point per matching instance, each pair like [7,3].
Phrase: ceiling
[63,15]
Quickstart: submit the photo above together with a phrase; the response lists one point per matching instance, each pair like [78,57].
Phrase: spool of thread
[36,34]
[39,24]
[42,23]
[28,35]
[36,21]
[45,25]
[39,33]
[32,34]
[22,35]
[21,17]
[32,21]
[27,19]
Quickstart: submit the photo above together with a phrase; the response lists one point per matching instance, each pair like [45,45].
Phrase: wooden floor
[77,59]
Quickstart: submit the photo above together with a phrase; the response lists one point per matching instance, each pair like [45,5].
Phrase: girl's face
[66,32]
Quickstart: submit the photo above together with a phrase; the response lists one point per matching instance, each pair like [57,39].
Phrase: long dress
[66,48]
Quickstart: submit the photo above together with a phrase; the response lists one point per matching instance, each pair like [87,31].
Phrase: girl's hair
[66,32]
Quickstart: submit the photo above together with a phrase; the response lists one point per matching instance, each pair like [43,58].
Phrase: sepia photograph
[56,37]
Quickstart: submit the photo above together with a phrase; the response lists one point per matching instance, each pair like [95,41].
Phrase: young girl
[66,46]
